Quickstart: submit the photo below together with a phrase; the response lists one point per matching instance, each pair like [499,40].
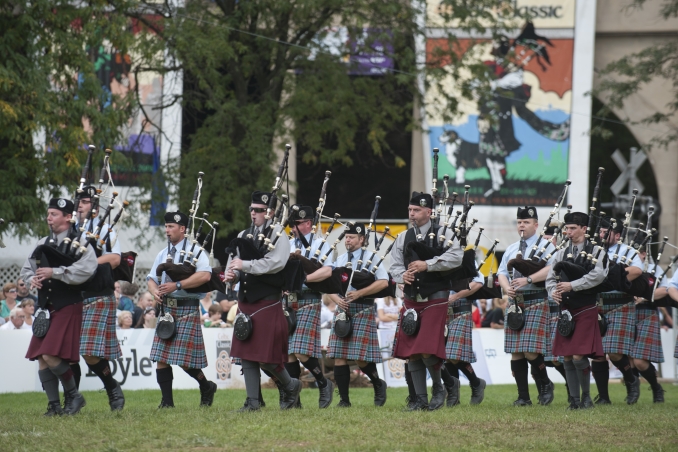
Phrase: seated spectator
[214,320]
[128,292]
[205,304]
[28,305]
[145,301]
[230,317]
[125,320]
[387,312]
[227,301]
[147,319]
[116,291]
[22,292]
[495,318]
[327,312]
[475,316]
[16,320]
[8,300]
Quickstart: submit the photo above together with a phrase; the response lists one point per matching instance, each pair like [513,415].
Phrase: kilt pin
[187,347]
[98,337]
[363,343]
[306,337]
[459,343]
[533,337]
[648,344]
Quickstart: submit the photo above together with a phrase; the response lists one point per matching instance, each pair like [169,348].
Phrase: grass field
[494,425]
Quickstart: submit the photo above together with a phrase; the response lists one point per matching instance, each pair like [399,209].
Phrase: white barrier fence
[136,371]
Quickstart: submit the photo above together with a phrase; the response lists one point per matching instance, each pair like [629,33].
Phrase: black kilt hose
[62,338]
[268,342]
[430,339]
[585,340]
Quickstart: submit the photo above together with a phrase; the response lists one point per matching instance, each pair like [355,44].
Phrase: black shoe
[281,395]
[420,404]
[380,394]
[291,395]
[438,395]
[262,404]
[250,405]
[74,402]
[574,405]
[164,404]
[54,409]
[411,401]
[540,389]
[478,392]
[344,404]
[601,401]
[326,394]
[207,395]
[633,391]
[586,402]
[546,393]
[116,399]
[453,393]
[522,402]
[658,394]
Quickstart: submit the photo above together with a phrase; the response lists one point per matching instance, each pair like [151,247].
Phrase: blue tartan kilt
[648,345]
[620,336]
[187,347]
[306,336]
[553,327]
[362,344]
[535,335]
[459,343]
[98,337]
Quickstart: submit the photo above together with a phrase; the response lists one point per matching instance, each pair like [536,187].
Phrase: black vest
[258,287]
[425,283]
[58,294]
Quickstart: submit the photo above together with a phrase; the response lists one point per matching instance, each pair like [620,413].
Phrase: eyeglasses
[12,291]
[22,285]
[20,317]
[257,209]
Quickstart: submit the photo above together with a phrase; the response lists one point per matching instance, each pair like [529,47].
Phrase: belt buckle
[171,302]
[292,297]
[421,299]
[519,298]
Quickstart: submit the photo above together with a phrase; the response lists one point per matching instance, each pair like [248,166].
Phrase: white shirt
[10,326]
[326,315]
[394,308]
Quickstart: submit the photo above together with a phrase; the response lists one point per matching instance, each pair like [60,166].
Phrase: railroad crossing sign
[628,170]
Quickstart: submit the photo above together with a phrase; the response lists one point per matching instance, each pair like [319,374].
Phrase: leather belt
[520,297]
[182,302]
[310,295]
[462,308]
[434,296]
[646,306]
[622,299]
[554,309]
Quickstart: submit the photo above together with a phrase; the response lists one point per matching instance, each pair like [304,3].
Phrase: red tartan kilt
[430,339]
[586,338]
[62,338]
[268,342]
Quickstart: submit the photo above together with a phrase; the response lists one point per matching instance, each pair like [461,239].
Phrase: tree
[627,76]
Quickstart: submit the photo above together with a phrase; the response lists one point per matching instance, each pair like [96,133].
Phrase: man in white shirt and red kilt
[459,344]
[647,348]
[673,293]
[259,298]
[362,344]
[304,342]
[59,292]
[426,292]
[620,311]
[529,343]
[99,341]
[186,348]
[578,297]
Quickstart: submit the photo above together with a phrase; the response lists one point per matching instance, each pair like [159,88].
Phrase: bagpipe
[538,257]
[188,257]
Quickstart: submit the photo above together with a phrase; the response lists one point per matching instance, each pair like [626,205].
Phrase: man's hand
[35,282]
[517,283]
[557,296]
[417,267]
[511,292]
[342,303]
[156,297]
[236,264]
[564,287]
[229,276]
[408,277]
[44,273]
[167,288]
[353,296]
[453,298]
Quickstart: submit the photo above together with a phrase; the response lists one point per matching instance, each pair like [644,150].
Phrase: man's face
[21,288]
[84,206]
[146,301]
[304,227]
[527,227]
[57,220]
[18,319]
[258,214]
[174,232]
[575,232]
[419,215]
[353,241]
[612,239]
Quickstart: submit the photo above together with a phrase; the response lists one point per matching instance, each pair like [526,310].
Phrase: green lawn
[493,425]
